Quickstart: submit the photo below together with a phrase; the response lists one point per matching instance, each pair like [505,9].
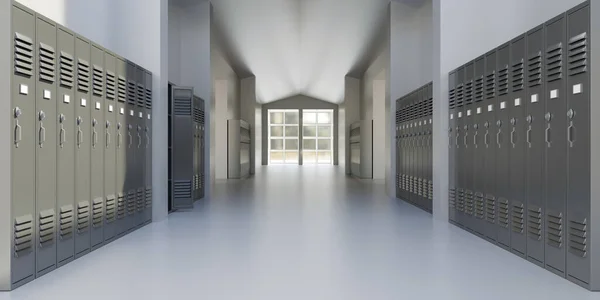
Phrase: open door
[182,151]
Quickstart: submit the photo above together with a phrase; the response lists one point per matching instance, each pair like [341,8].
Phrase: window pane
[310,144]
[309,118]
[276,118]
[291,131]
[324,144]
[291,117]
[309,131]
[325,157]
[276,144]
[309,157]
[291,144]
[325,118]
[324,131]
[277,131]
[276,156]
[291,157]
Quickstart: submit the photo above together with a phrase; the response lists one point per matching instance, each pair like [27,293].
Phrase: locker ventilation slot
[130,203]
[490,208]
[131,92]
[182,189]
[503,212]
[554,62]
[518,218]
[121,205]
[469,92]
[66,70]
[83,76]
[430,188]
[479,206]
[46,227]
[122,89]
[479,89]
[110,209]
[470,207]
[197,115]
[97,212]
[97,81]
[459,95]
[460,200]
[83,216]
[47,65]
[578,54]
[518,76]
[66,221]
[148,98]
[140,200]
[23,234]
[503,82]
[182,107]
[555,230]
[141,96]
[578,237]
[490,85]
[534,227]
[23,55]
[110,85]
[452,198]
[535,70]
[148,197]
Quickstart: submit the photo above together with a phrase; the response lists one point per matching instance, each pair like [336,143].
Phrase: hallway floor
[300,233]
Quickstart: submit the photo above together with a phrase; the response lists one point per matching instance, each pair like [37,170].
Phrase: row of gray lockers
[238,149]
[414,147]
[81,171]
[520,146]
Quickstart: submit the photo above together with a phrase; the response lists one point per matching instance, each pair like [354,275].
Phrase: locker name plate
[490,107]
[553,94]
[518,102]
[131,113]
[577,89]
[23,89]
[98,105]
[503,105]
[83,102]
[141,115]
[468,112]
[67,99]
[534,98]
[148,116]
[479,110]
[110,108]
[47,94]
[122,111]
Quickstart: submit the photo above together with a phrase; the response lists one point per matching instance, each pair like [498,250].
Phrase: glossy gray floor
[300,233]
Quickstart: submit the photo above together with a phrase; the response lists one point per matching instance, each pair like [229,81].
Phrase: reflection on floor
[300,233]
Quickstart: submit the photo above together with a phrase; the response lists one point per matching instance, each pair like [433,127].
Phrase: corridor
[299,232]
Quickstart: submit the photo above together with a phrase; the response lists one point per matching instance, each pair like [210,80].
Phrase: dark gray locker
[65,160]
[503,143]
[452,201]
[110,147]
[148,148]
[24,145]
[131,137]
[488,121]
[202,149]
[467,148]
[478,166]
[517,175]
[430,148]
[578,142]
[182,136]
[459,137]
[141,148]
[98,145]
[46,145]
[535,145]
[555,133]
[121,140]
[83,146]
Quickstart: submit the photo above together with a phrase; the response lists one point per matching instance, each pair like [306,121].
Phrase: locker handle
[18,135]
[456,141]
[147,140]
[547,133]
[571,134]
[94,138]
[498,138]
[42,135]
[79,137]
[449,140]
[130,139]
[119,137]
[512,137]
[465,139]
[107,138]
[529,136]
[62,136]
[139,140]
[475,138]
[485,138]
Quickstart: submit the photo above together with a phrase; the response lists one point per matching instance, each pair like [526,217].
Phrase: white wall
[175,15]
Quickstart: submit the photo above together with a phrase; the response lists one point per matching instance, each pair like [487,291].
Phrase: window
[317,136]
[283,136]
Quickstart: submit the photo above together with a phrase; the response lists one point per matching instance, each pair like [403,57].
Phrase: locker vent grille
[490,85]
[460,200]
[66,221]
[555,230]
[470,205]
[148,98]
[182,189]
[47,65]
[578,54]
[131,92]
[535,69]
[182,107]
[83,214]
[120,206]
[518,217]
[130,203]
[83,76]
[46,227]
[430,190]
[97,83]
[148,197]
[67,70]
[479,89]
[122,90]
[110,85]
[468,92]
[554,57]
[140,200]
[23,234]
[479,206]
[97,212]
[578,237]
[503,212]
[23,55]
[110,209]
[141,95]
[490,208]
[503,82]
[518,75]
[534,227]
[197,115]
[459,95]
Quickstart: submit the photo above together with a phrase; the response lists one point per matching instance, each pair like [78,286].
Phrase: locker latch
[62,137]
[42,130]
[119,135]
[18,130]
[94,133]
[107,134]
[79,132]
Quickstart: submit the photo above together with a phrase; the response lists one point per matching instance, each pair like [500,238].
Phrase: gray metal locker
[451,146]
[467,148]
[536,101]
[459,136]
[65,160]
[182,152]
[555,133]
[148,148]
[478,150]
[121,145]
[141,148]
[83,146]
[517,138]
[110,147]
[502,137]
[46,132]
[131,138]
[98,144]
[488,122]
[24,144]
[202,148]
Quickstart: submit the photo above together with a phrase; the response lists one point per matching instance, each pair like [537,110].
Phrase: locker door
[478,148]
[419,148]
[82,147]
[65,175]
[46,146]
[141,148]
[430,148]
[148,149]
[121,144]
[502,139]
[24,145]
[397,149]
[489,123]
[555,132]
[131,138]
[202,151]
[459,164]
[578,133]
[467,136]
[451,146]
[517,138]
[535,146]
[110,149]
[182,147]
[98,144]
